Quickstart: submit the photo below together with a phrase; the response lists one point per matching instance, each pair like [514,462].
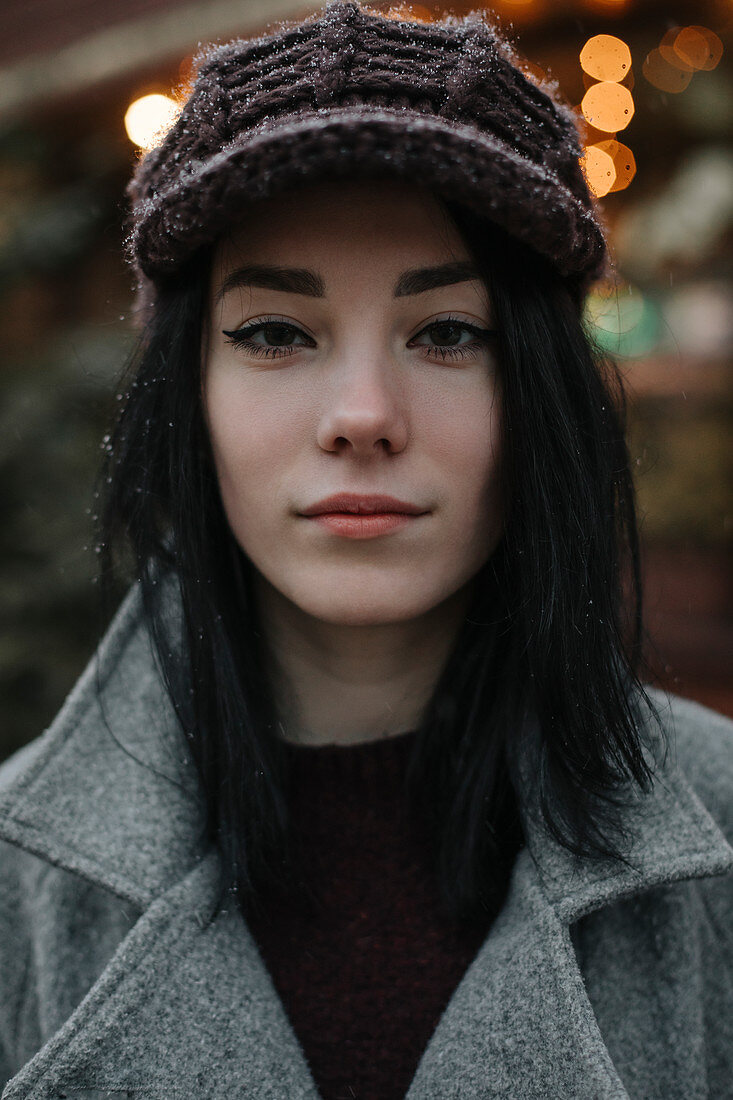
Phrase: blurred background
[85,84]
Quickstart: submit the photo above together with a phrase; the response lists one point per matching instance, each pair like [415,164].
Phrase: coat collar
[110,793]
[668,836]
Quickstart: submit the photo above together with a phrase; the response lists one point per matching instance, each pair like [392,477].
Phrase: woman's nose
[364,408]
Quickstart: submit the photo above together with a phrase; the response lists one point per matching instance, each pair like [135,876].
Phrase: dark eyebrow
[298,280]
[420,279]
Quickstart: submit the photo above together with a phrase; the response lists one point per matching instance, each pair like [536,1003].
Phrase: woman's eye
[278,335]
[445,336]
[446,339]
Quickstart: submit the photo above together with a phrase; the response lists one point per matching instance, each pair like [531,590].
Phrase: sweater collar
[110,793]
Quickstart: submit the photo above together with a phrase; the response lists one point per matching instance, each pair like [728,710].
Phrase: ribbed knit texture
[365,975]
[351,91]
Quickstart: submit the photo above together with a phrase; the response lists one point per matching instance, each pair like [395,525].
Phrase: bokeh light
[599,170]
[628,81]
[664,75]
[622,320]
[699,47]
[608,106]
[148,119]
[682,52]
[606,57]
[670,55]
[624,162]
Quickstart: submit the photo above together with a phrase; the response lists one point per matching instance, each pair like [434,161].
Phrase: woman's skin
[358,628]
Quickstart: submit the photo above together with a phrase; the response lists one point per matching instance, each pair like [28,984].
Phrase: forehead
[341,240]
[335,219]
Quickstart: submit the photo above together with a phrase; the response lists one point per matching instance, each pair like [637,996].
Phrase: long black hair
[552,640]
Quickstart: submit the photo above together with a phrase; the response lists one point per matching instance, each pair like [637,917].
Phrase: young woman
[361,796]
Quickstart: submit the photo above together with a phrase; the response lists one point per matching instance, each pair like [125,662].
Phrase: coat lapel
[521,1023]
[185,1008]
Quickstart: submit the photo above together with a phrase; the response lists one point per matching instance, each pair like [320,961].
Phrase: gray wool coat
[118,979]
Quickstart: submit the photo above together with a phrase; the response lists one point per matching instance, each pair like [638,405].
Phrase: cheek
[466,439]
[243,437]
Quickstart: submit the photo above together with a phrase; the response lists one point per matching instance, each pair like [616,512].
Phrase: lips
[364,505]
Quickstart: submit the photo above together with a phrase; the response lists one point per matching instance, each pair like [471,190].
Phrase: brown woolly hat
[350,91]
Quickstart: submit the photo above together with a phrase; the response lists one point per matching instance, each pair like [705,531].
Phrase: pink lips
[362,516]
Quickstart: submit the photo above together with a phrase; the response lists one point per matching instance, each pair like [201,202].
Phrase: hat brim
[458,161]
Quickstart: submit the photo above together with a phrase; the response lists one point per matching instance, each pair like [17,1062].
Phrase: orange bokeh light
[624,162]
[682,52]
[599,170]
[699,47]
[606,57]
[608,107]
[663,75]
[668,52]
[628,81]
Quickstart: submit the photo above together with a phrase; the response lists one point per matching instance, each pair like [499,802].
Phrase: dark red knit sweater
[366,975]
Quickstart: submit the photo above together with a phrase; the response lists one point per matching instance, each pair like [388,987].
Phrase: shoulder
[700,746]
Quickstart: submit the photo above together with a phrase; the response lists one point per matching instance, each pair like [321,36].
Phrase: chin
[361,611]
[362,597]
[355,602]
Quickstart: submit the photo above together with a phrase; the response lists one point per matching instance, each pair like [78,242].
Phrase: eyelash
[239,339]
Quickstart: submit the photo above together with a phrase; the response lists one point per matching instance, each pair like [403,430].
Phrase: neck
[346,684]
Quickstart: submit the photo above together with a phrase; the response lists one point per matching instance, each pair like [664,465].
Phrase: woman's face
[354,383]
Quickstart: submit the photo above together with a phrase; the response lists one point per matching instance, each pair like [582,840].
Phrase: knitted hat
[349,91]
